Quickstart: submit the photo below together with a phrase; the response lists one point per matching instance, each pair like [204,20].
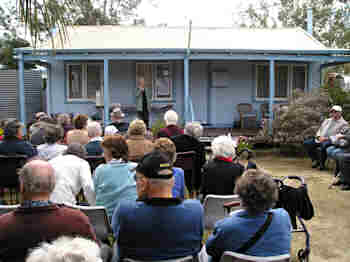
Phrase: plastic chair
[214,208]
[246,112]
[229,256]
[7,208]
[99,220]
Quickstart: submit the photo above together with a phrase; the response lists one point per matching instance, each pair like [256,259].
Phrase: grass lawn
[330,228]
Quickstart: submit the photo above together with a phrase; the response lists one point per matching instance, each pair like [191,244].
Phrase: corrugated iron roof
[136,37]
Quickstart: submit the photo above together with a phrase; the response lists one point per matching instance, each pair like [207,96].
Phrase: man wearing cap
[157,226]
[325,136]
[117,125]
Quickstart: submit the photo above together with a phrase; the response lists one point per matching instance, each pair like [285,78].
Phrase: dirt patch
[330,228]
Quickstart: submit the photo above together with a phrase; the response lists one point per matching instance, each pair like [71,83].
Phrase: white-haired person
[93,148]
[171,129]
[220,173]
[189,141]
[66,249]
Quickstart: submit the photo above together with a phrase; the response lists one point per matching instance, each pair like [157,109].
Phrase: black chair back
[10,166]
[95,161]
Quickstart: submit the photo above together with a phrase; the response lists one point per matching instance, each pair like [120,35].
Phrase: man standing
[324,136]
[143,101]
[37,219]
[157,226]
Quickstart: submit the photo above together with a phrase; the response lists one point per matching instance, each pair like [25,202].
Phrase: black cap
[152,163]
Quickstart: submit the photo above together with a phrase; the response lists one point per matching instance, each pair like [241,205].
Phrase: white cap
[110,130]
[337,108]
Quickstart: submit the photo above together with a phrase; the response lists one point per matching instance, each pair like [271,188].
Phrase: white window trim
[289,82]
[84,82]
[154,78]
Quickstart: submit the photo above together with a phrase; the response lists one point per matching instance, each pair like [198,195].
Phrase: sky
[201,12]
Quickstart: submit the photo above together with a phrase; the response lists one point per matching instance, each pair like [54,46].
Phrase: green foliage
[243,144]
[329,18]
[337,96]
[157,125]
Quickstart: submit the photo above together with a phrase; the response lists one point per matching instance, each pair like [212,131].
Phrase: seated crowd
[144,194]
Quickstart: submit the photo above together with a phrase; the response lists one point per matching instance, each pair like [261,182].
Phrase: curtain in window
[299,77]
[263,81]
[75,73]
[93,80]
[281,82]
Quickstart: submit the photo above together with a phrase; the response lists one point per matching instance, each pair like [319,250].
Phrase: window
[282,80]
[83,80]
[299,77]
[158,77]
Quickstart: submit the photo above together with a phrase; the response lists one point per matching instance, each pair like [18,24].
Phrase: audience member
[37,219]
[329,127]
[13,143]
[114,180]
[167,146]
[189,142]
[37,130]
[117,126]
[137,143]
[72,175]
[66,249]
[65,121]
[258,193]
[220,173]
[94,148]
[51,148]
[142,228]
[79,134]
[171,129]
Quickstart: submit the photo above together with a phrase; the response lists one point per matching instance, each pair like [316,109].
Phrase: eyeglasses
[136,177]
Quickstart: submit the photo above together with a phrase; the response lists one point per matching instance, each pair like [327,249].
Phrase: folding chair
[187,161]
[229,256]
[95,161]
[9,183]
[7,208]
[99,220]
[214,208]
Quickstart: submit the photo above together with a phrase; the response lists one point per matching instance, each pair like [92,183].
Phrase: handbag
[251,242]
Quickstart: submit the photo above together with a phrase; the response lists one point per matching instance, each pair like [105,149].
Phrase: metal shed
[9,102]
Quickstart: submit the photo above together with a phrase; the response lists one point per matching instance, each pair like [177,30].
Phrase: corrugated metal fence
[9,107]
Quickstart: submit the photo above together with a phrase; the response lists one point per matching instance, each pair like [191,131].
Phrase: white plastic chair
[214,208]
[229,256]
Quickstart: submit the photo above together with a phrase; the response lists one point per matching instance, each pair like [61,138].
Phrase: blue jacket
[158,229]
[232,232]
[113,183]
[94,148]
[15,146]
[179,184]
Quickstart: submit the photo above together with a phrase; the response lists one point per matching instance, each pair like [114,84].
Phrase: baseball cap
[336,108]
[152,163]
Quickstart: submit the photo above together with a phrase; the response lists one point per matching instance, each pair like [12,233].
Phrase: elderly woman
[114,181]
[258,193]
[189,141]
[220,173]
[166,146]
[79,134]
[171,129]
[137,143]
[52,136]
[94,148]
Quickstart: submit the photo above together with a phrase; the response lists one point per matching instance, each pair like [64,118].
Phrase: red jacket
[25,228]
[169,131]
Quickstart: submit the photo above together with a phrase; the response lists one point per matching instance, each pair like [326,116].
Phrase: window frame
[290,80]
[154,76]
[84,81]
